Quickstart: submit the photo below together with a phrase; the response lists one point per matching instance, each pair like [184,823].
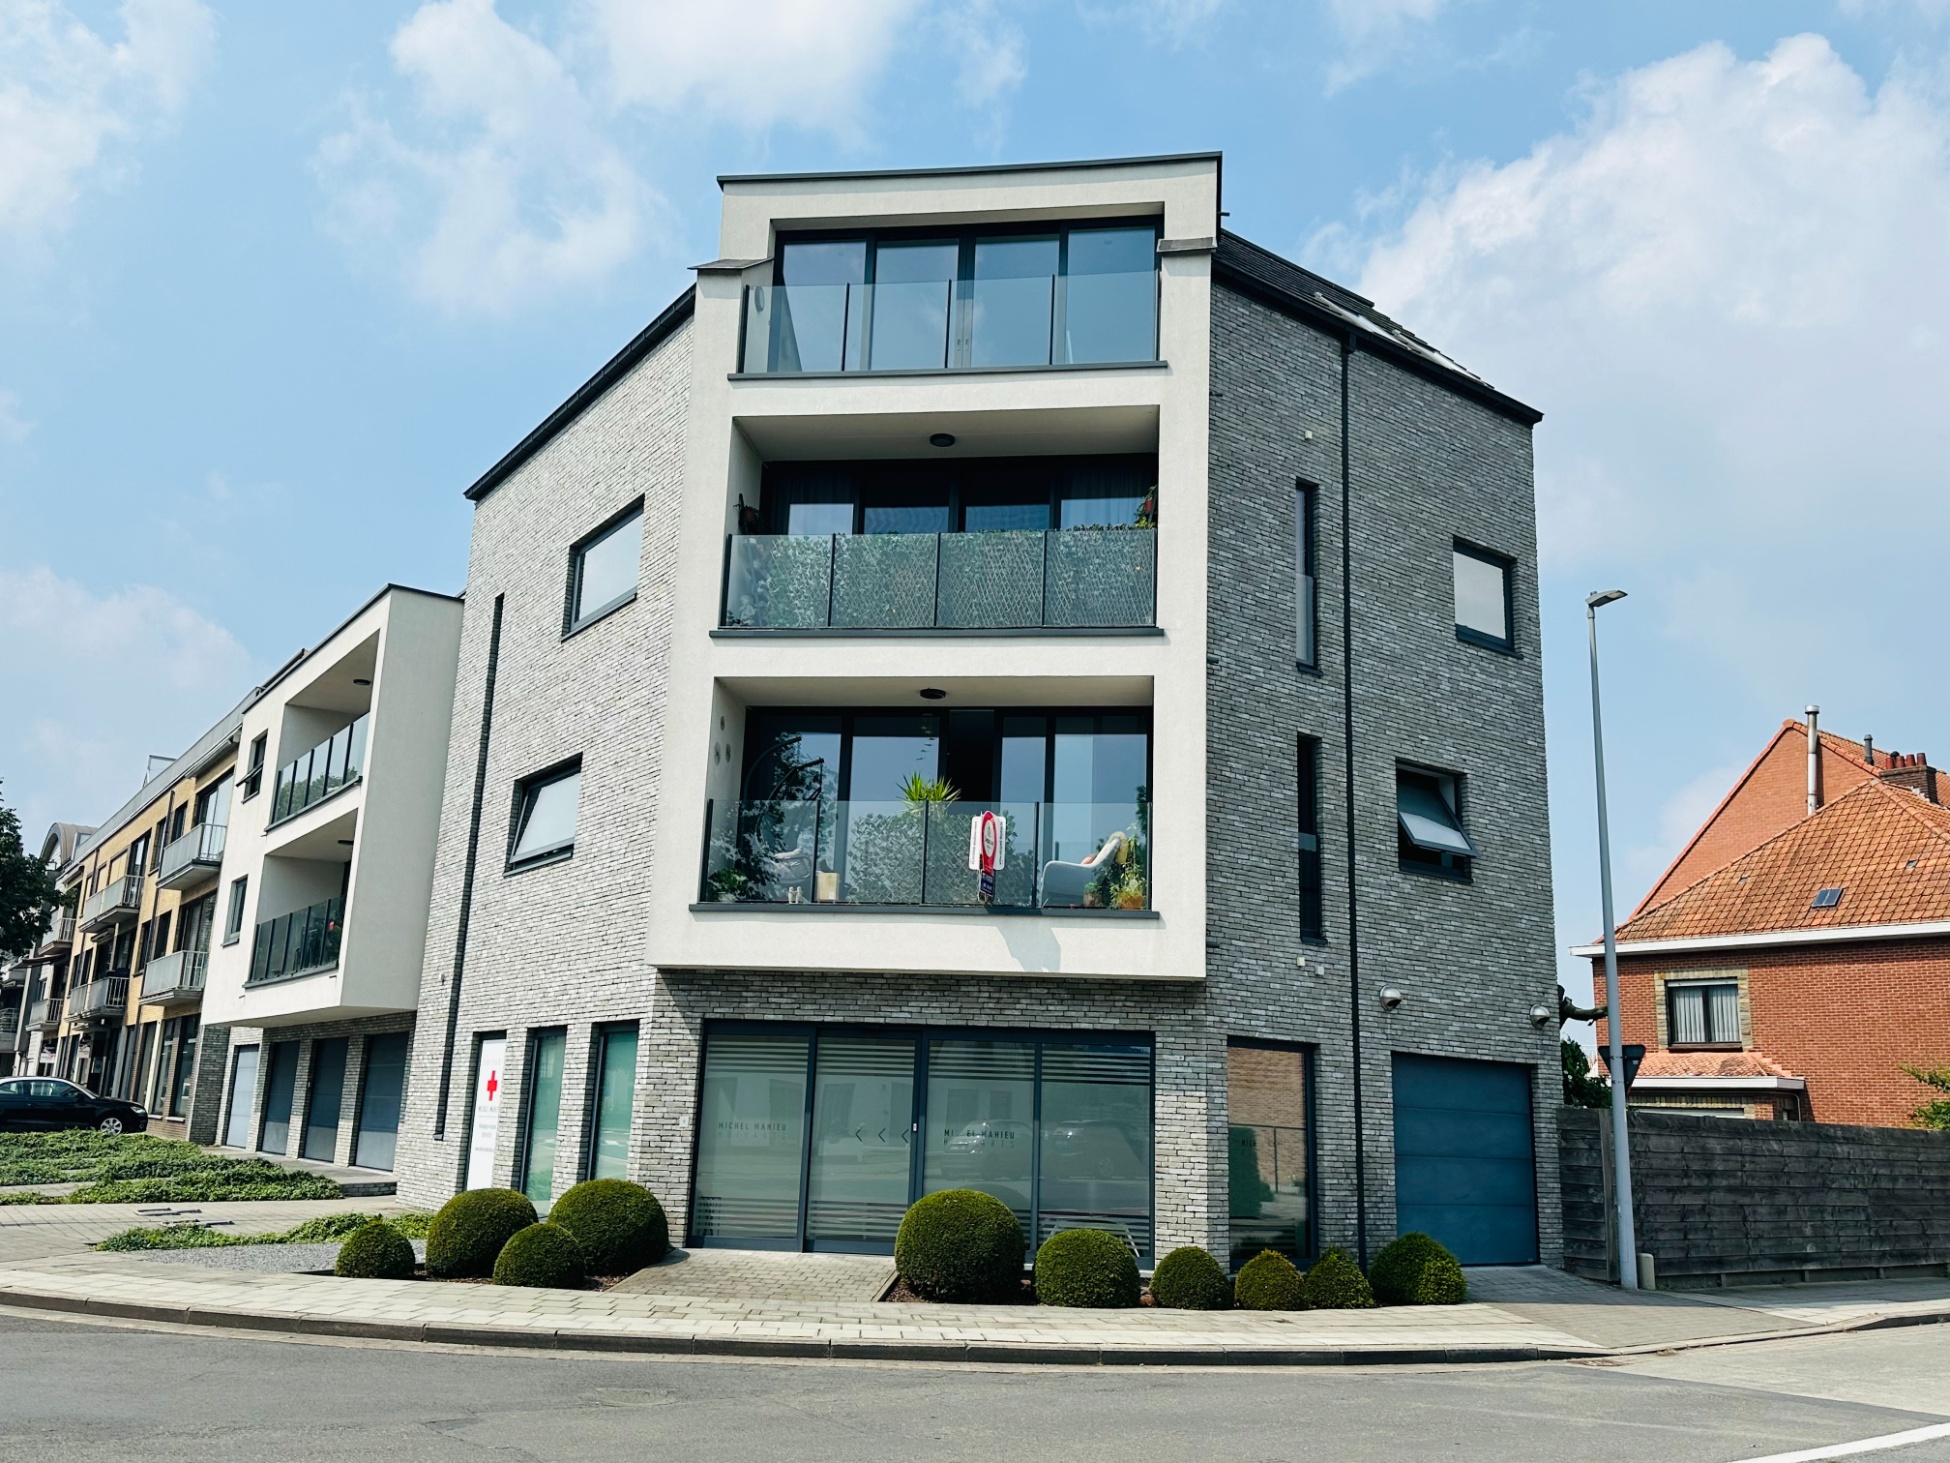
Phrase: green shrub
[1189,1279]
[1269,1282]
[138,1168]
[376,1251]
[322,1230]
[1087,1267]
[467,1234]
[960,1246]
[414,1224]
[1415,1270]
[542,1256]
[619,1225]
[1336,1284]
[171,1237]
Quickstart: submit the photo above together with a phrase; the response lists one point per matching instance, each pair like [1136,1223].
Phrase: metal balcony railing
[1052,855]
[103,998]
[196,856]
[60,934]
[335,763]
[116,902]
[177,976]
[1103,578]
[298,943]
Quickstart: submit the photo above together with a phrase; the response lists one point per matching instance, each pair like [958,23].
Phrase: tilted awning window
[1426,818]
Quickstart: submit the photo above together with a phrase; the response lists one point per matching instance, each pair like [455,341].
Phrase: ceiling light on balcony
[933,693]
[942,439]
[361,681]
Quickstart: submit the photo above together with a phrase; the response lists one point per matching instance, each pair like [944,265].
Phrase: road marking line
[1861,1445]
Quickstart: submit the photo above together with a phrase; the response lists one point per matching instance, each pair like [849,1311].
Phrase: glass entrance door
[861,1164]
[751,1140]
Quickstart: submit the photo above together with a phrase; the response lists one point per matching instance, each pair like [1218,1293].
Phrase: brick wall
[1724,1202]
[1846,1017]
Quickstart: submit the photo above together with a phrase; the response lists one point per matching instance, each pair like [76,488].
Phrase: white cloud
[13,426]
[990,51]
[73,101]
[1374,32]
[507,188]
[75,656]
[806,63]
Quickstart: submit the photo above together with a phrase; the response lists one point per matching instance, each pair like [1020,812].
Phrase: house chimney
[1913,771]
[1869,751]
[1814,759]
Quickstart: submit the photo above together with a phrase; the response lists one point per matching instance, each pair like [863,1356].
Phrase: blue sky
[277,282]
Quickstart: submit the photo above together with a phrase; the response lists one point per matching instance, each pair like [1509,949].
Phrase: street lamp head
[1600,598]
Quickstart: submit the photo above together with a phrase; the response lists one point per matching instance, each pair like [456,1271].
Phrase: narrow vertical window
[615,1067]
[1306,596]
[1307,847]
[233,923]
[254,778]
[1483,597]
[544,1082]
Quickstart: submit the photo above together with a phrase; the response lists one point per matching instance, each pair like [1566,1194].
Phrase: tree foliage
[26,890]
[1581,1089]
[1936,1112]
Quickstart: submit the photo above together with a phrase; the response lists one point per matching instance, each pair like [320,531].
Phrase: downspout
[1347,743]
[467,874]
[1814,759]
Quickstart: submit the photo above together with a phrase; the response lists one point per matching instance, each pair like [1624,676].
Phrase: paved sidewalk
[764,1275]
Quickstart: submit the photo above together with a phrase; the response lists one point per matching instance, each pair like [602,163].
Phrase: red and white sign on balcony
[986,833]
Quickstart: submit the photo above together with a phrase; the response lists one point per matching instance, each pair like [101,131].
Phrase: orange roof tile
[1711,1064]
[1887,848]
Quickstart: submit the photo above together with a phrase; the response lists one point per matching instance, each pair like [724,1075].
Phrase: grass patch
[325,1229]
[135,1168]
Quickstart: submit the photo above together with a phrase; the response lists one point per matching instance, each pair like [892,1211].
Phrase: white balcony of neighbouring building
[117,902]
[59,936]
[45,1014]
[175,978]
[190,860]
[102,999]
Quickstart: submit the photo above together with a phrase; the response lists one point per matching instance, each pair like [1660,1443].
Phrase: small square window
[544,827]
[1483,598]
[1428,818]
[603,569]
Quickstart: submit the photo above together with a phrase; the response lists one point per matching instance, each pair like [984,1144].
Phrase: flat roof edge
[967,169]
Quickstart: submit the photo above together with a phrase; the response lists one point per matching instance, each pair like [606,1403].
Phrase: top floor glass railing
[941,324]
[327,767]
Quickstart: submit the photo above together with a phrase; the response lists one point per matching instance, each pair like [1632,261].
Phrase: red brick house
[1798,976]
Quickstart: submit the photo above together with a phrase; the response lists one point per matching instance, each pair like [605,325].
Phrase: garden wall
[1727,1202]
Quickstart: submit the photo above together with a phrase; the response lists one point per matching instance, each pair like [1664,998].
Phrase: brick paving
[764,1275]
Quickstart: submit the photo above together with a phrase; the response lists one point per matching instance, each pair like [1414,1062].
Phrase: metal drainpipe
[1814,759]
[1348,347]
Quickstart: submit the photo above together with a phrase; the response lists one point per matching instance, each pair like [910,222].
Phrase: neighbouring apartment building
[1796,958]
[321,900]
[126,1020]
[31,985]
[1003,684]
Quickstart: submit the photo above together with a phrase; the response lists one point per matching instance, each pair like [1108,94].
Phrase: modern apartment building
[322,896]
[143,885]
[1004,684]
[31,984]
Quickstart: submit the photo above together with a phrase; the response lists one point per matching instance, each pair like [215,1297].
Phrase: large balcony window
[298,943]
[887,809]
[998,543]
[932,301]
[336,762]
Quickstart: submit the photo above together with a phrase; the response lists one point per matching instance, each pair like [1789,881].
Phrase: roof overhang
[1720,1084]
[1765,939]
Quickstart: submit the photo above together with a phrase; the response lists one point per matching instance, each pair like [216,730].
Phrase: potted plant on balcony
[728,885]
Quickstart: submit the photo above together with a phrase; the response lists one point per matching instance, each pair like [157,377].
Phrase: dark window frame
[572,622]
[524,790]
[524,1138]
[253,779]
[1456,868]
[599,1038]
[1309,1070]
[1307,860]
[1714,1041]
[1506,644]
[233,915]
[1306,576]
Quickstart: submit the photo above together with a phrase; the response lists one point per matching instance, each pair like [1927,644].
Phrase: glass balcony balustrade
[60,934]
[298,943]
[333,764]
[826,851]
[45,1014]
[175,976]
[197,855]
[1071,578]
[115,902]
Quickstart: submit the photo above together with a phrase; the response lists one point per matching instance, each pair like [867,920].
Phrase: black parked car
[42,1104]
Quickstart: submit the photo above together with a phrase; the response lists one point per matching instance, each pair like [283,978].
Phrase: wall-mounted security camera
[1390,998]
[1539,1015]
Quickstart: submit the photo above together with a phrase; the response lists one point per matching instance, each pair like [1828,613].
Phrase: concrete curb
[541,1338]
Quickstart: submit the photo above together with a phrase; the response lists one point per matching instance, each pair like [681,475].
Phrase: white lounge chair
[1064,883]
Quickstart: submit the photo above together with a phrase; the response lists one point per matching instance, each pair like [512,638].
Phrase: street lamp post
[1628,1249]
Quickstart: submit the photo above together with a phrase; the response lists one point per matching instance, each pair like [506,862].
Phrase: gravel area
[263,1259]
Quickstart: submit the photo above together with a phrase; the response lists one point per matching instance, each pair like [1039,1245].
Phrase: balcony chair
[1064,884]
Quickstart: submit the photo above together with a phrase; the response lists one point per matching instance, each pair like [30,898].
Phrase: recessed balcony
[192,859]
[105,998]
[174,979]
[59,936]
[44,1015]
[302,942]
[330,767]
[117,902]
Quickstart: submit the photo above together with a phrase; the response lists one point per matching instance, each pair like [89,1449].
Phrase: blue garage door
[1464,1168]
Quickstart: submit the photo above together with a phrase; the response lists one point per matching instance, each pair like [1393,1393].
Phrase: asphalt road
[86,1391]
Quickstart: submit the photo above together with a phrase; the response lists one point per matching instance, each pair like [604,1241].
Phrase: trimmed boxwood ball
[1416,1270]
[375,1251]
[1336,1284]
[467,1234]
[1269,1282]
[1189,1279]
[960,1246]
[620,1225]
[1087,1267]
[542,1256]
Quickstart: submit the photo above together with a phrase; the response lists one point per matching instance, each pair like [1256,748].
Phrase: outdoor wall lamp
[1539,1015]
[1391,998]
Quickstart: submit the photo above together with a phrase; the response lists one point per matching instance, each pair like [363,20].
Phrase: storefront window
[544,1078]
[981,1131]
[862,1149]
[609,1148]
[1267,1151]
[751,1131]
[1095,1157]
